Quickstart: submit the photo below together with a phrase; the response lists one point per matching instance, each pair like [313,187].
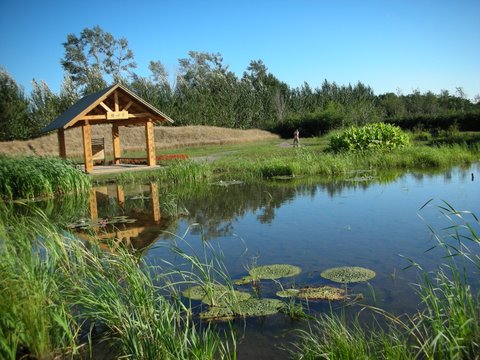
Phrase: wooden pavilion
[115,105]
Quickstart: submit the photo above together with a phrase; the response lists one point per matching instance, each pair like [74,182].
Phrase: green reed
[36,318]
[177,172]
[33,177]
[57,292]
[446,327]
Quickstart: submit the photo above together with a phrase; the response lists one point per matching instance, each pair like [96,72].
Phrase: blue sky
[390,45]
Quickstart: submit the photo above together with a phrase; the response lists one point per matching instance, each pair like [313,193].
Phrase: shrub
[369,137]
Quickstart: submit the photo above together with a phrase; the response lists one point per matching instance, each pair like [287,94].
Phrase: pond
[367,221]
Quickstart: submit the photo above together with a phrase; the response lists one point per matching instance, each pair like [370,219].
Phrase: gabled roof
[98,104]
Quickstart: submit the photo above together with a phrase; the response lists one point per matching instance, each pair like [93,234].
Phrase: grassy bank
[32,177]
[273,158]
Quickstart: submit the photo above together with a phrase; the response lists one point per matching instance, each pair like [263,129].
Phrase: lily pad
[250,307]
[244,280]
[215,294]
[322,293]
[288,293]
[348,274]
[217,313]
[275,271]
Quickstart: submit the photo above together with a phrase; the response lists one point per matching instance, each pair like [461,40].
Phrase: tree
[156,89]
[46,105]
[273,93]
[206,91]
[15,122]
[96,56]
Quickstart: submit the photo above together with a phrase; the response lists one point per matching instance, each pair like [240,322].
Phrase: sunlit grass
[32,176]
[57,292]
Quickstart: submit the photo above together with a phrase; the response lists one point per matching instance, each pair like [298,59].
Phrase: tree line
[205,92]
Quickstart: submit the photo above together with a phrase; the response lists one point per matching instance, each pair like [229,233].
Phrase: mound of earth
[133,138]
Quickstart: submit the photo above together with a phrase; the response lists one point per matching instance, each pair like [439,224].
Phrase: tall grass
[306,162]
[57,292]
[177,172]
[35,316]
[32,177]
[446,327]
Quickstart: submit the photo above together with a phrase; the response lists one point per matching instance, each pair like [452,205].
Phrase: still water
[308,223]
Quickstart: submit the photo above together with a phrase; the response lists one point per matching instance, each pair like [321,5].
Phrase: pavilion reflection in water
[131,220]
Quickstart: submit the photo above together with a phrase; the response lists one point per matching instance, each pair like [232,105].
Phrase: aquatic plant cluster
[226,303]
[32,177]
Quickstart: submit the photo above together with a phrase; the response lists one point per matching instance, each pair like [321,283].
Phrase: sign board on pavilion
[117,115]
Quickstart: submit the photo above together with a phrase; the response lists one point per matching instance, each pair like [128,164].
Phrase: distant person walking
[296,138]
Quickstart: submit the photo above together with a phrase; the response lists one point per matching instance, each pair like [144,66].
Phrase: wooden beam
[93,117]
[141,115]
[117,150]
[89,108]
[105,106]
[62,149]
[130,103]
[150,143]
[92,199]
[87,147]
[120,196]
[155,202]
[115,97]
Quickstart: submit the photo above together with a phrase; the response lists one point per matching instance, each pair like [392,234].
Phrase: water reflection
[117,218]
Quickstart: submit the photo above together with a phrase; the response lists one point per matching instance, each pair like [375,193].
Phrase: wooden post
[151,160]
[120,196]
[155,202]
[117,151]
[62,149]
[115,99]
[87,147]
[92,199]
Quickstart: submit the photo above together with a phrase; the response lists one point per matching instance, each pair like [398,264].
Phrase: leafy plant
[370,137]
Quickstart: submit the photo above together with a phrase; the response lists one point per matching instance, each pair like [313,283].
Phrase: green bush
[369,137]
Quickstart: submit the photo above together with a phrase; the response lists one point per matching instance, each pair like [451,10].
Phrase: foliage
[57,292]
[46,106]
[206,92]
[92,55]
[370,137]
[33,177]
[15,120]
